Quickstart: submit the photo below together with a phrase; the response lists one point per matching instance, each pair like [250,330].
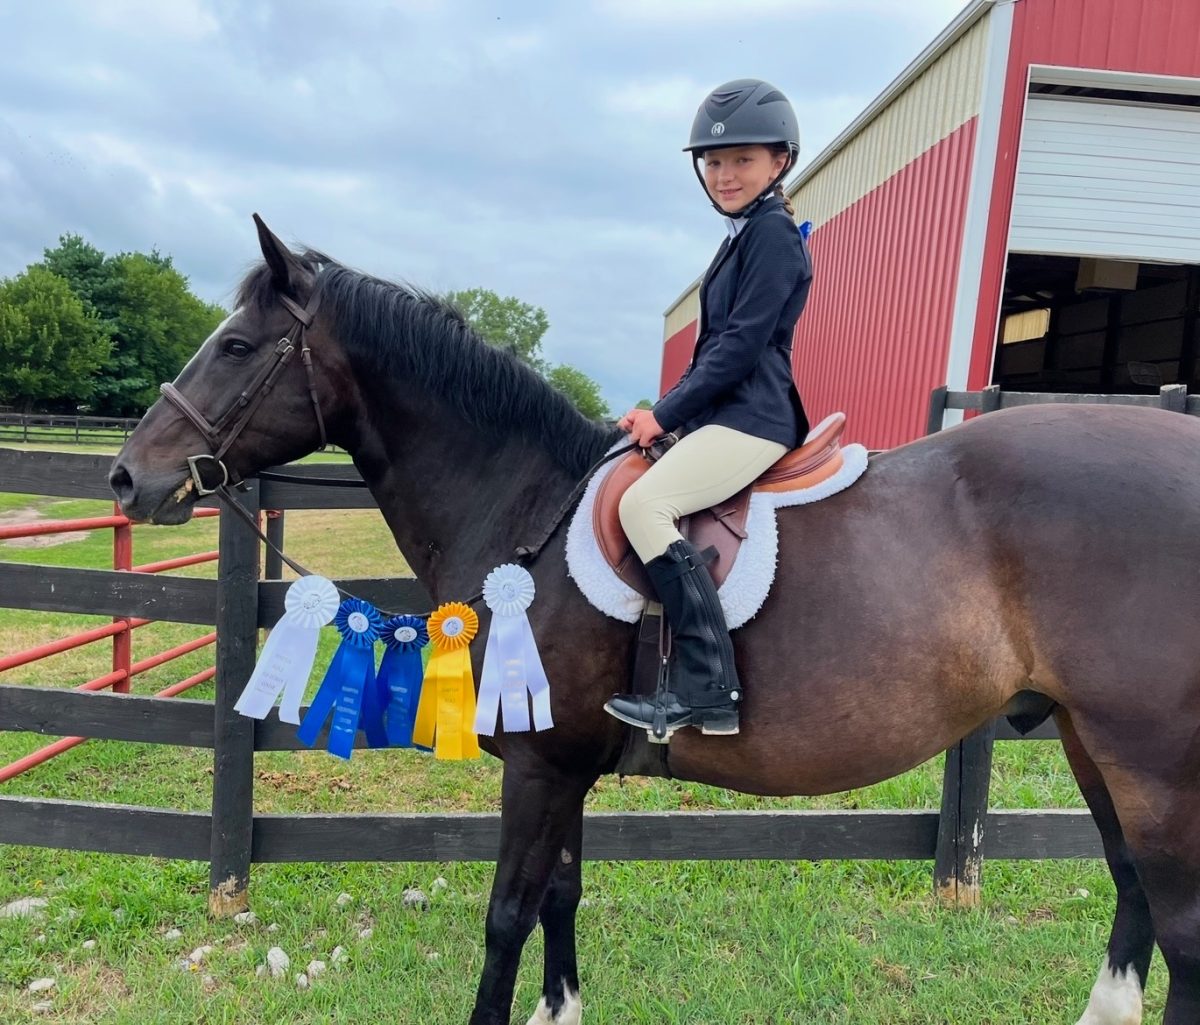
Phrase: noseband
[238,415]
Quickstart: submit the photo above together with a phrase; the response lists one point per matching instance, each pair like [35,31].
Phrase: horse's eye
[238,349]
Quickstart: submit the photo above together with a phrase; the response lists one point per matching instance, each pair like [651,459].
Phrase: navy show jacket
[740,375]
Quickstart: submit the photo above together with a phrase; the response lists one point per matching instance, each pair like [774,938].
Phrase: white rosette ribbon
[287,657]
[512,668]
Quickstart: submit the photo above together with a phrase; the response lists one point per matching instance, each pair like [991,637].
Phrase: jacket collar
[734,225]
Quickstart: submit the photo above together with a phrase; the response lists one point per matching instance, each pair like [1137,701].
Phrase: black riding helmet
[744,112]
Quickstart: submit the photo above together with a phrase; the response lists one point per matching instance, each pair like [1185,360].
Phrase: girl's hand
[641,426]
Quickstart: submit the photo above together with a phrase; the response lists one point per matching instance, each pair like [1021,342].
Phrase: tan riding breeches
[699,471]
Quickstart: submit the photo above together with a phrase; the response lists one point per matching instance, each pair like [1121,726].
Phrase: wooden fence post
[1173,397]
[966,780]
[958,863]
[233,733]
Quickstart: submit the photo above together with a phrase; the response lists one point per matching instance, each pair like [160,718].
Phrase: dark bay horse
[1050,549]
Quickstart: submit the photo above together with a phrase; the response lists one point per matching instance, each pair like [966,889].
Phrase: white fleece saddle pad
[748,583]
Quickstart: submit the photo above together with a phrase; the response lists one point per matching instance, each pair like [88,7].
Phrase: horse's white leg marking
[1116,998]
[571,1013]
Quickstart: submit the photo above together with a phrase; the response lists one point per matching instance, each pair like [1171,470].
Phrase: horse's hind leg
[540,807]
[1117,995]
[560,989]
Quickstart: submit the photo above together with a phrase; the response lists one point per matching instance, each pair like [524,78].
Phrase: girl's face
[735,176]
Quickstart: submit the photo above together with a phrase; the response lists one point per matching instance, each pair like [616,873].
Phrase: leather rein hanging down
[247,403]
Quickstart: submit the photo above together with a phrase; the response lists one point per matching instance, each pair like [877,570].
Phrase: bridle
[247,403]
[235,419]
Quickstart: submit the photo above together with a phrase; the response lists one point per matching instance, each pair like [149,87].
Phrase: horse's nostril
[120,481]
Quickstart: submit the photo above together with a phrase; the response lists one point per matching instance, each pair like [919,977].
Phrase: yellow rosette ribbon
[446,712]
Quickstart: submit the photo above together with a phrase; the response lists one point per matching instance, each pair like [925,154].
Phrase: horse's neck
[459,501]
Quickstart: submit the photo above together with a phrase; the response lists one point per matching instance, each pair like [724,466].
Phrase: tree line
[85,332]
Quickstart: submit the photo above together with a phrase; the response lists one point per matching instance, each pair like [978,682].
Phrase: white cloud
[673,99]
[734,15]
[182,19]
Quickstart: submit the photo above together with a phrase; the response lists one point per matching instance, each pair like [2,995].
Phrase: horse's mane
[412,335]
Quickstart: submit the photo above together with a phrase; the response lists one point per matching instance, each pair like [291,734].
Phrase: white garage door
[1097,178]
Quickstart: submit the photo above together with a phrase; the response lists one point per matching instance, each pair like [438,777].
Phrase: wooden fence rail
[232,837]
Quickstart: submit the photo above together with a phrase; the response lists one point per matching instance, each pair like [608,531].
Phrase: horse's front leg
[541,806]
[560,988]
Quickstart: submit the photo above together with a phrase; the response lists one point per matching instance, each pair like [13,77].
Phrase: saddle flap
[723,527]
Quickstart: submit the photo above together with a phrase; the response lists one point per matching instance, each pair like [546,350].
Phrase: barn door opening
[1102,288]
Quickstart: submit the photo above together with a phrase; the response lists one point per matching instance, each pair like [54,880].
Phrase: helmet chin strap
[755,203]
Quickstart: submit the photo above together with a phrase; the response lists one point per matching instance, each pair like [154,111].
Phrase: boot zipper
[706,628]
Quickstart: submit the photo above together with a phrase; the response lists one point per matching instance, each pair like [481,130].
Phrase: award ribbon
[349,689]
[447,705]
[287,657]
[512,668]
[399,676]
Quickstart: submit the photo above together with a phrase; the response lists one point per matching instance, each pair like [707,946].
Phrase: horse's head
[261,390]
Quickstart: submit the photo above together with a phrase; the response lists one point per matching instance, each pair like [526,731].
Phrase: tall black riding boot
[703,684]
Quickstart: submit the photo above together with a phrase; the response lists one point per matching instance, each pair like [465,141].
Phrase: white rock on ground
[245,918]
[200,953]
[316,969]
[273,927]
[43,1007]
[278,962]
[26,907]
[343,899]
[339,954]
[302,981]
[365,934]
[88,944]
[440,884]
[260,971]
[41,985]
[415,898]
[171,935]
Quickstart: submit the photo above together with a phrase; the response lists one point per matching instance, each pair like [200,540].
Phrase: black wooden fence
[59,429]
[232,836]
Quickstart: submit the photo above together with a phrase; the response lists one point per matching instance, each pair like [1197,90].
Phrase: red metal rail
[124,669]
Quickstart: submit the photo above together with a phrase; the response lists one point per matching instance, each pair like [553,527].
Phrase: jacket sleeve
[773,261]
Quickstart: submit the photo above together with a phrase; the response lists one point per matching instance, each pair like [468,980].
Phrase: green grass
[696,943]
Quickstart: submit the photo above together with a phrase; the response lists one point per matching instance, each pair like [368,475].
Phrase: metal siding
[934,105]
[1108,179]
[684,312]
[1159,37]
[873,340]
[677,353]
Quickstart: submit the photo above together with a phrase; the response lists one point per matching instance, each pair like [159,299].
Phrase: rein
[247,403]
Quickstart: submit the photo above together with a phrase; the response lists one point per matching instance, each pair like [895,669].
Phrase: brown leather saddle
[722,527]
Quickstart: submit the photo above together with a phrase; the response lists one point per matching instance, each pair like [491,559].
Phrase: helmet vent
[772,97]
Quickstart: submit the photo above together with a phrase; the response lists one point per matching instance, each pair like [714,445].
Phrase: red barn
[1020,207]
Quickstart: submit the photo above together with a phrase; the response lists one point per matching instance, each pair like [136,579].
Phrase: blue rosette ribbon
[400,674]
[349,689]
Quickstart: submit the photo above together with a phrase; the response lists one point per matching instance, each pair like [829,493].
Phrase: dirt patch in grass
[19,517]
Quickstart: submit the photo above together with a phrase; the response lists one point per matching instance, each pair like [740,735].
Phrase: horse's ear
[284,268]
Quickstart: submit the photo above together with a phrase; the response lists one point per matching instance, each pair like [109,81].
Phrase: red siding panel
[1160,37]
[677,353]
[875,336]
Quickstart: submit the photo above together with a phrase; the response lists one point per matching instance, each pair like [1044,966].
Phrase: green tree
[508,323]
[644,404]
[51,345]
[505,322]
[148,311]
[583,392]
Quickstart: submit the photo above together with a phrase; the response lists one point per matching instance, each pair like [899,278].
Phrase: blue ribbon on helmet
[400,676]
[349,689]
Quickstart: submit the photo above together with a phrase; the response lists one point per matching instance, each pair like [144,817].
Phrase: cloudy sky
[530,148]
